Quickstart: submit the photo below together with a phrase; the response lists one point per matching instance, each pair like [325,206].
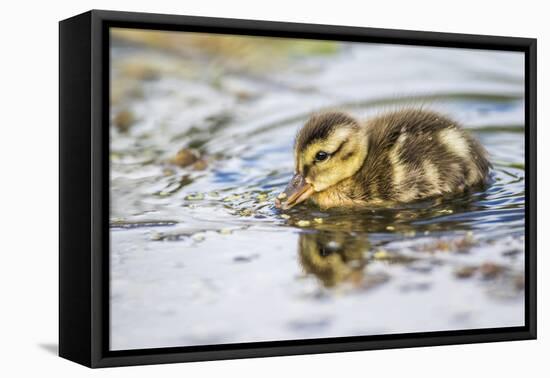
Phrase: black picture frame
[84,192]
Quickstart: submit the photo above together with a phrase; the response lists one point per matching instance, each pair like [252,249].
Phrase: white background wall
[28,161]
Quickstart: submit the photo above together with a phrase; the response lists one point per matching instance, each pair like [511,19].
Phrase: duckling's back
[415,154]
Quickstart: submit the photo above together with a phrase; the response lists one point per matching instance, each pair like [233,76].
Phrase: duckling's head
[329,148]
[333,257]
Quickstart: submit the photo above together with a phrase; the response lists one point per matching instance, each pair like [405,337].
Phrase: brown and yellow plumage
[400,156]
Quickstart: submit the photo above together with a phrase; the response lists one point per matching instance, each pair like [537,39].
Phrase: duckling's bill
[297,191]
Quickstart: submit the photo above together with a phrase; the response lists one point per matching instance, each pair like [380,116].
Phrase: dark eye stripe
[339,147]
[347,156]
[333,152]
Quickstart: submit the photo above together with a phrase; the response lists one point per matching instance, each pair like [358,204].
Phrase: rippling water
[203,257]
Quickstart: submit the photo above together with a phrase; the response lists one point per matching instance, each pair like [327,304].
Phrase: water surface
[199,255]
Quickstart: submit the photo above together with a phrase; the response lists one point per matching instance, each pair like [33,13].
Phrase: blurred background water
[202,128]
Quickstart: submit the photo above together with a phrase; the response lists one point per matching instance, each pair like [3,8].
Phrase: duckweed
[232,197]
[262,197]
[194,197]
[245,212]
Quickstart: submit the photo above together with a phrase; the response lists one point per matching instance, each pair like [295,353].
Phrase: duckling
[397,157]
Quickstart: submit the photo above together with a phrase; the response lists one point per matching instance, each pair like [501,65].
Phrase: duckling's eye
[321,156]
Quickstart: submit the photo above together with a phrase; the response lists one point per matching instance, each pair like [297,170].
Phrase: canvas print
[268,189]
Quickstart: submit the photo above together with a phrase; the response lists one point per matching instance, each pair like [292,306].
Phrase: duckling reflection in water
[333,257]
[398,157]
